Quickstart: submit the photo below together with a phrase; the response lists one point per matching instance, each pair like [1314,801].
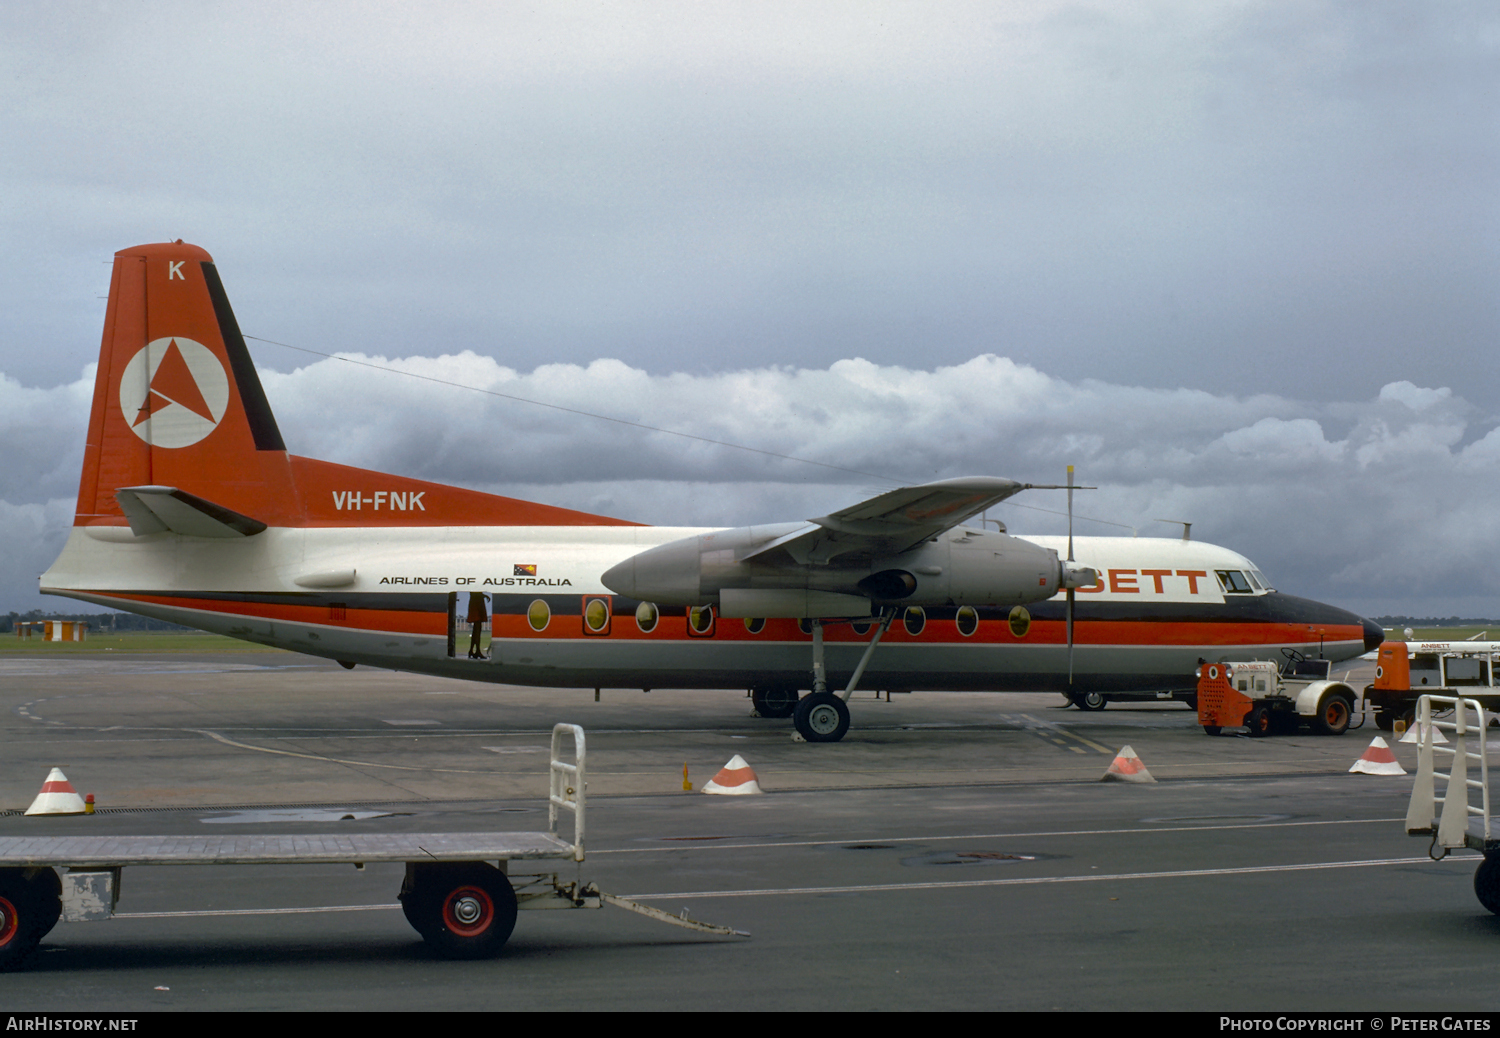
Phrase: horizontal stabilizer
[169,510]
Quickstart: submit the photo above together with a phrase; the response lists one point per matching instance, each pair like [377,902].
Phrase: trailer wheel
[1487,884]
[1333,715]
[46,889]
[774,701]
[821,717]
[21,919]
[1259,722]
[465,910]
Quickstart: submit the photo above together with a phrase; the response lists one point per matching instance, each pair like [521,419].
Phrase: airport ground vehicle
[1453,819]
[1266,698]
[1405,671]
[462,905]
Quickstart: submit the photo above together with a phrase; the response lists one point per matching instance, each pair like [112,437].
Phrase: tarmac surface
[955,851]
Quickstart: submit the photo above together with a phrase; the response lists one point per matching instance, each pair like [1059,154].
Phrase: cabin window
[914,620]
[646,615]
[701,621]
[539,615]
[755,624]
[596,616]
[860,627]
[804,625]
[967,620]
[1233,582]
[1019,620]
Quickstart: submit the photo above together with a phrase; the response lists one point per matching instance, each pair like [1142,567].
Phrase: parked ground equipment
[461,891]
[1267,699]
[1405,671]
[1460,815]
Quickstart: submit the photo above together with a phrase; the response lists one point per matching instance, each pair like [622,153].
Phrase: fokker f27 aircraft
[190,509]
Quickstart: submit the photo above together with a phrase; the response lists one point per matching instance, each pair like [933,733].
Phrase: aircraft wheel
[775,701]
[1333,715]
[1212,729]
[465,910]
[1487,884]
[1259,722]
[1090,700]
[24,918]
[821,717]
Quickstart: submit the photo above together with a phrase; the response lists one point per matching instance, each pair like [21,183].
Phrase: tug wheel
[26,914]
[1333,715]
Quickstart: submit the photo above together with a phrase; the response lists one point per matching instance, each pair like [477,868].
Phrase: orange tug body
[1221,705]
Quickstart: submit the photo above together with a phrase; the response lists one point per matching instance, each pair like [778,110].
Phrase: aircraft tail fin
[177,402]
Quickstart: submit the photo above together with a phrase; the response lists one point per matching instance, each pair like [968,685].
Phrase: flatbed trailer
[461,904]
[1459,815]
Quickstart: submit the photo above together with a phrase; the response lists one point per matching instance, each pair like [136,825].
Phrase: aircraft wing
[893,522]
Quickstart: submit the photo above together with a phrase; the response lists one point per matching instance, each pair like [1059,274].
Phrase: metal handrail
[567,784]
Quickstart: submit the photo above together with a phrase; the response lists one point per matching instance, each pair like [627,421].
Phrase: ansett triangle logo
[173,392]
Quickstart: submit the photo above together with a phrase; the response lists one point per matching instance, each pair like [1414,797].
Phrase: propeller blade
[1070,637]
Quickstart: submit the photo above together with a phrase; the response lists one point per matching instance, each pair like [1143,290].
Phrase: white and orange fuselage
[190,509]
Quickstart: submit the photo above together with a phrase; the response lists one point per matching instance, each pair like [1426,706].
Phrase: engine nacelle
[962,566]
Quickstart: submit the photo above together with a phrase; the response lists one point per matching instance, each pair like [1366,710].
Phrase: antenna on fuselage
[1187,528]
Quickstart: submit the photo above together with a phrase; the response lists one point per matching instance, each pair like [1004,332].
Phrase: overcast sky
[1236,261]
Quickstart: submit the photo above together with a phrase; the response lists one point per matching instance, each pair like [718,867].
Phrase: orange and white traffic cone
[1378,760]
[734,779]
[1127,767]
[58,797]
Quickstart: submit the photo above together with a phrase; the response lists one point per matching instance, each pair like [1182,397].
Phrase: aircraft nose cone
[1374,635]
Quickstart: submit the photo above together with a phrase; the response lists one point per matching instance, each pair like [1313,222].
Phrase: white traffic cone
[1414,734]
[734,779]
[1127,767]
[58,797]
[1378,760]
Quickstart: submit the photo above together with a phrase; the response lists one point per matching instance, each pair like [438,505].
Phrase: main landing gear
[823,716]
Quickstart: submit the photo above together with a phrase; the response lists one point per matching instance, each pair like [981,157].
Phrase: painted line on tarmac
[703,844]
[1033,881]
[874,888]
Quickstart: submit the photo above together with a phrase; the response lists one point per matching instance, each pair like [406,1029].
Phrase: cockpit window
[1233,582]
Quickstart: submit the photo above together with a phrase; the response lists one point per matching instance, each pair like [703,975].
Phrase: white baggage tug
[461,904]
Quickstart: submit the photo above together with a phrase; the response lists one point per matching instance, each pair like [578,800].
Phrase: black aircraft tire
[1090,701]
[464,910]
[774,701]
[821,717]
[1487,884]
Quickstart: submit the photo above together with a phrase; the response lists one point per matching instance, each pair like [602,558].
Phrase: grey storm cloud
[1223,257]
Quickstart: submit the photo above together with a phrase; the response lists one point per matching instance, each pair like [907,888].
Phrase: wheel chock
[736,778]
[1378,760]
[58,797]
[1127,767]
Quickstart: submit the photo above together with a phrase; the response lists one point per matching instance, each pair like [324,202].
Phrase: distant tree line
[97,621]
[1432,621]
